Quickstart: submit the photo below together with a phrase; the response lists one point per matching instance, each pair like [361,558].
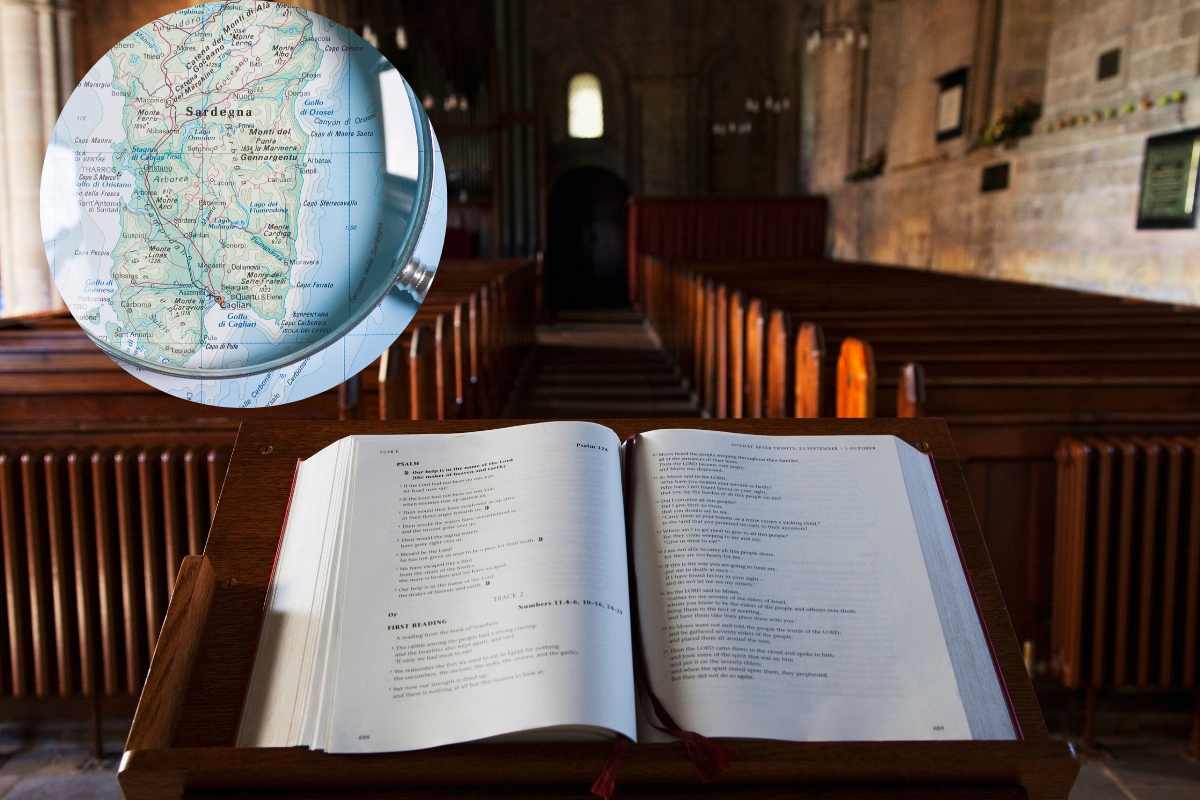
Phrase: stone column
[35,75]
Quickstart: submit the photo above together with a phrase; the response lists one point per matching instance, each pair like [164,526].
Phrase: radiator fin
[1127,563]
[90,543]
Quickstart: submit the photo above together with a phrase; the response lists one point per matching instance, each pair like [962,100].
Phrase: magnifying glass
[235,187]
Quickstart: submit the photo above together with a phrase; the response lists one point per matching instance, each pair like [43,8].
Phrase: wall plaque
[1169,176]
[994,177]
[1109,64]
[951,104]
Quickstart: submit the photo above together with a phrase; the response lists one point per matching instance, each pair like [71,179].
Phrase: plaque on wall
[1109,64]
[994,177]
[951,104]
[1169,176]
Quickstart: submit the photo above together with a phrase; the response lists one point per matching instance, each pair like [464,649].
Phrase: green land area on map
[217,156]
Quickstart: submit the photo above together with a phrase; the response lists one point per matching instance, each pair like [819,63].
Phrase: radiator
[1127,563]
[91,542]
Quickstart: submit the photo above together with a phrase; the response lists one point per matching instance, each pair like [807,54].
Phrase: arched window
[585,107]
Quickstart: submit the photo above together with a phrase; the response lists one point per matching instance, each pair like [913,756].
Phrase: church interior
[692,208]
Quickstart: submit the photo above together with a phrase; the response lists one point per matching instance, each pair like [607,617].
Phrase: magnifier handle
[415,279]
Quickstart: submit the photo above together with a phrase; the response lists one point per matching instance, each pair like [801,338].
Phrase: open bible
[548,581]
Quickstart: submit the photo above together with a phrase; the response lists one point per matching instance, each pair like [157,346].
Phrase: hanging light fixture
[401,38]
[369,35]
[842,36]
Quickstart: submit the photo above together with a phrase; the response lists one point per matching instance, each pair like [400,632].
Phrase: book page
[782,592]
[484,589]
[293,614]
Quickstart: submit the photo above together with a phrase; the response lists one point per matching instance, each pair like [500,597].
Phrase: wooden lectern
[181,742]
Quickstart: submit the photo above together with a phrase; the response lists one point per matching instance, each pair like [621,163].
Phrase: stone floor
[605,363]
[56,764]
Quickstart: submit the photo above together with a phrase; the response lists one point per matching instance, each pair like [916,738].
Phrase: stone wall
[669,69]
[36,74]
[1069,215]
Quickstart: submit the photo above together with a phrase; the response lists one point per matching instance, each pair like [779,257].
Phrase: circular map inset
[338,362]
[232,190]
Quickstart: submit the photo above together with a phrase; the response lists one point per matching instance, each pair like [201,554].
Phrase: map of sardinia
[228,186]
[216,152]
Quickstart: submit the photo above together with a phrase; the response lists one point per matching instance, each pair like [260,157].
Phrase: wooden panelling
[712,228]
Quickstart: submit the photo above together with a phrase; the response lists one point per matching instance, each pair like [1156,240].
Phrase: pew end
[809,357]
[779,358]
[737,354]
[393,380]
[855,379]
[720,370]
[755,358]
[910,391]
[350,397]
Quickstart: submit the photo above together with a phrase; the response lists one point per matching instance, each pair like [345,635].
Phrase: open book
[441,588]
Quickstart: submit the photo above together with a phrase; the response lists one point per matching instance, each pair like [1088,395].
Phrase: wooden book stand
[181,742]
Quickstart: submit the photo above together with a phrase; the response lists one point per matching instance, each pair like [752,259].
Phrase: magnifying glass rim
[416,223]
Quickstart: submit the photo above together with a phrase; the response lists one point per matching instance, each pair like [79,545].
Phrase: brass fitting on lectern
[415,279]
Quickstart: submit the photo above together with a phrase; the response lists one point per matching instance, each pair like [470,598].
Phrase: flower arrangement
[1146,103]
[870,168]
[1015,123]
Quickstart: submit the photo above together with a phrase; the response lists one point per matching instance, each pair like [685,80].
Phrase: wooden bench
[1012,367]
[463,350]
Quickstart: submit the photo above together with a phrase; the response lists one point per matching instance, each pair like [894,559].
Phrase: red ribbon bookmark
[709,756]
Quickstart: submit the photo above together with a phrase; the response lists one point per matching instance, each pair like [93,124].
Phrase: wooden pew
[737,355]
[910,391]
[855,380]
[778,374]
[1084,331]
[1012,367]
[481,316]
[721,228]
[809,361]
